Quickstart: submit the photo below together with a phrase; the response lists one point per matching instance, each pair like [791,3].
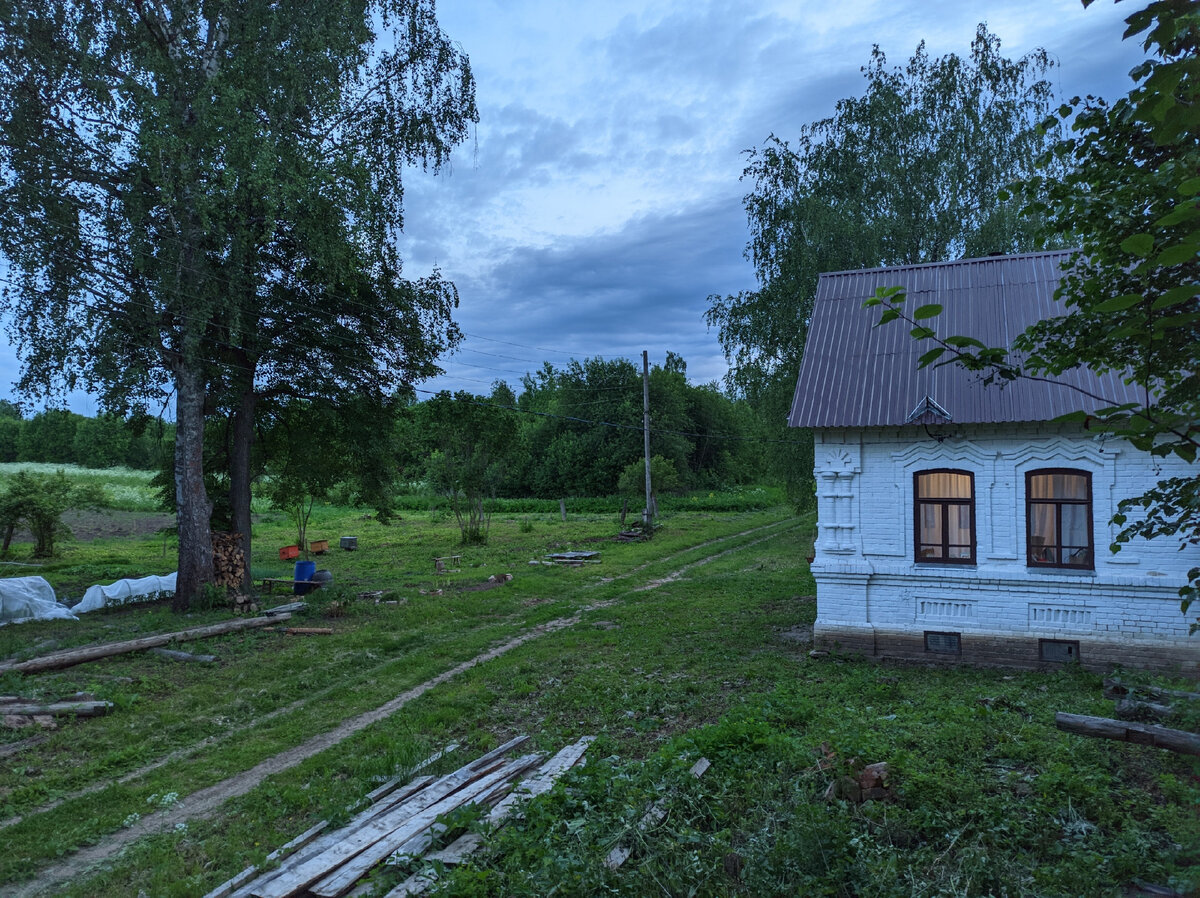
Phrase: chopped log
[71,657]
[176,655]
[61,709]
[1135,709]
[1140,733]
[1114,688]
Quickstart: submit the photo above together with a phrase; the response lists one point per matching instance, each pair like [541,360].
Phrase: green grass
[125,488]
[989,797]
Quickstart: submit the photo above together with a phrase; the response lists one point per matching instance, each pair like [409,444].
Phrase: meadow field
[695,643]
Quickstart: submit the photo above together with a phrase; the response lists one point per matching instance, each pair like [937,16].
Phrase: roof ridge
[998,257]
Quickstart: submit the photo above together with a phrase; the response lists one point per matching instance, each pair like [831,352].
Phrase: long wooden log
[176,655]
[1122,731]
[61,709]
[71,657]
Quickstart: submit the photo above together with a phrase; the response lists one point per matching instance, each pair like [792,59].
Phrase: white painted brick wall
[864,568]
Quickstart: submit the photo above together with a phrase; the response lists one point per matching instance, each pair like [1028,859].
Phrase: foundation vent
[943,643]
[1060,651]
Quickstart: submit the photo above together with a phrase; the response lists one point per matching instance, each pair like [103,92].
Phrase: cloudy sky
[598,204]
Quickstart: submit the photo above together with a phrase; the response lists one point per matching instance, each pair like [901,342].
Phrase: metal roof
[856,375]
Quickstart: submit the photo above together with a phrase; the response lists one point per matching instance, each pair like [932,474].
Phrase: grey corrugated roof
[855,374]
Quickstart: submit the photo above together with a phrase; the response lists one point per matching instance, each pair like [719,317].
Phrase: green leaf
[1181,212]
[1177,255]
[1118,303]
[960,342]
[922,333]
[1175,296]
[931,310]
[1138,244]
[888,315]
[931,356]
[1190,187]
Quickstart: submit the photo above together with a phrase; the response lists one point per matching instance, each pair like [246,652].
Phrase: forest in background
[572,431]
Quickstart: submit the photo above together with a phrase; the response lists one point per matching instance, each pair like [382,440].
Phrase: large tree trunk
[193,506]
[239,475]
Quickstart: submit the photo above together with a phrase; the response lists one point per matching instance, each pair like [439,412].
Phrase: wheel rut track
[204,803]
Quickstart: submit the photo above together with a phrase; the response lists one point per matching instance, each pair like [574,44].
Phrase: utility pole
[648,514]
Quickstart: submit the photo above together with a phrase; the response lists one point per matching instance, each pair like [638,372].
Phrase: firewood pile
[399,825]
[229,562]
[243,604]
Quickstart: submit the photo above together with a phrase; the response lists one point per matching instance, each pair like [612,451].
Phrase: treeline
[577,431]
[580,428]
[61,437]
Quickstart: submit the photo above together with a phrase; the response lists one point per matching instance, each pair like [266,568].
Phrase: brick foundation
[1022,651]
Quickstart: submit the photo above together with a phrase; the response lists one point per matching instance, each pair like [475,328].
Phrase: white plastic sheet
[124,591]
[29,598]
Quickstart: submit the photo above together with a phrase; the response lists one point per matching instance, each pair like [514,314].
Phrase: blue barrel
[304,571]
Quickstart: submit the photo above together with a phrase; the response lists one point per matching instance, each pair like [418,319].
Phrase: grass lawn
[693,643]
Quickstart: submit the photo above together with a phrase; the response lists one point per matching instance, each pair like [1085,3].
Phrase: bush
[38,501]
[664,477]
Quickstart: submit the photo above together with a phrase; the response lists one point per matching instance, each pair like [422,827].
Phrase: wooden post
[648,514]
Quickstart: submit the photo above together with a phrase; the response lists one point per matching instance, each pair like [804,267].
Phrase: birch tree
[170,170]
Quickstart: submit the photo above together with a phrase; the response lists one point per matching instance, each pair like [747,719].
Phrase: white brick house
[959,521]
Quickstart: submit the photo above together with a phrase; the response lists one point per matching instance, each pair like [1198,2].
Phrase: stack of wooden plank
[399,824]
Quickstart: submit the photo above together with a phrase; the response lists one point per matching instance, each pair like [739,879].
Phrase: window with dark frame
[1058,519]
[944,517]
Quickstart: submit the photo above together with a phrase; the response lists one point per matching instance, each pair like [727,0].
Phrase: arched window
[1058,518]
[944,526]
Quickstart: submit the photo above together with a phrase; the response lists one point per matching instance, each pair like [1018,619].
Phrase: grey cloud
[642,287]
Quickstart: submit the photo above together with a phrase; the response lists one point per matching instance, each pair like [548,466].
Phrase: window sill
[1061,571]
